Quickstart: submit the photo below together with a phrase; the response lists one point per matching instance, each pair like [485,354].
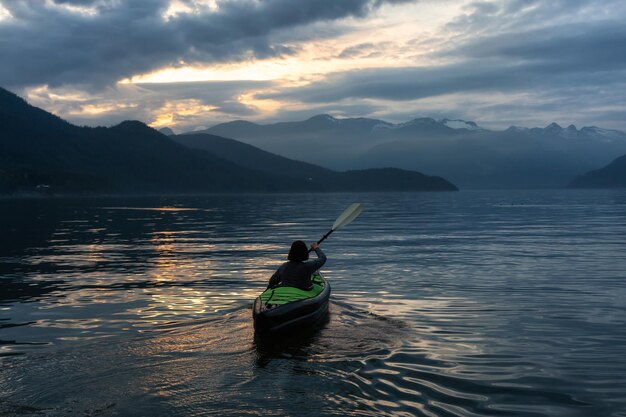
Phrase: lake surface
[477,303]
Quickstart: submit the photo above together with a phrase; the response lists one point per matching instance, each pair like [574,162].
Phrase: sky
[190,64]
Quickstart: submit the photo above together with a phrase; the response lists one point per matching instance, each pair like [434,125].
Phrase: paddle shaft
[325,236]
[345,218]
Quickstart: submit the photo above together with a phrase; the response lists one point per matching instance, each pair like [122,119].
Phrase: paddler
[298,270]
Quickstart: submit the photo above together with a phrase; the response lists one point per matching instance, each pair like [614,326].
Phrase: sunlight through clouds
[44,93]
[180,7]
[96,109]
[5,14]
[388,40]
[169,113]
[73,8]
[266,107]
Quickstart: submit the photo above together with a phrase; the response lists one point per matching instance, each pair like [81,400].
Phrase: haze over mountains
[461,151]
[39,150]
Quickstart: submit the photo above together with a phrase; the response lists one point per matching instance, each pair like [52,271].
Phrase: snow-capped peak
[605,134]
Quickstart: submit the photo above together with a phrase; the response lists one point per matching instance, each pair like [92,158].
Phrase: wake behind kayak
[283,309]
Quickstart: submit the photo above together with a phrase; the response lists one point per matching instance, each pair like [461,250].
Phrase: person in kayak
[297,271]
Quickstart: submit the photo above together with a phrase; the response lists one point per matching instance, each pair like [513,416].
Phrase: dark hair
[298,252]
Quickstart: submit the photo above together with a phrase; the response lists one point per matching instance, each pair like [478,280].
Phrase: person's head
[298,252]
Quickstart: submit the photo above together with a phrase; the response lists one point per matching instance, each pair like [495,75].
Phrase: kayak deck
[285,295]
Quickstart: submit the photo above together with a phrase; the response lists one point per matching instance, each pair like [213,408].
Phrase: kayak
[283,309]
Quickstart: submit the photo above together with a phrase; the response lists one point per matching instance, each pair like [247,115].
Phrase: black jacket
[297,274]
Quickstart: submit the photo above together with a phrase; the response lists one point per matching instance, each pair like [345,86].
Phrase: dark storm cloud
[45,44]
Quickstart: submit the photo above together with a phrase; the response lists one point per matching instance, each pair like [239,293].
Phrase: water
[477,303]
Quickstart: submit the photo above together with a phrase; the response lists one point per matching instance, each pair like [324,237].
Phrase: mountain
[41,152]
[40,149]
[316,177]
[321,139]
[310,128]
[611,176]
[250,156]
[459,150]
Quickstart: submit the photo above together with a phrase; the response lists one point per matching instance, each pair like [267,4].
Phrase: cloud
[358,50]
[403,84]
[567,47]
[530,54]
[479,59]
[56,44]
[77,2]
[181,105]
[344,109]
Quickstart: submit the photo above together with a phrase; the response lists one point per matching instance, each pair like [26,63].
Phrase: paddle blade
[348,215]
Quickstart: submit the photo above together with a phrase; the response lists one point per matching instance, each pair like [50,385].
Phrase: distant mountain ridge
[316,177]
[462,151]
[250,156]
[40,151]
[611,176]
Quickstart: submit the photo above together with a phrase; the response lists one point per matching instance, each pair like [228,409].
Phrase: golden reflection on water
[168,276]
[95,252]
[199,298]
[171,301]
[167,208]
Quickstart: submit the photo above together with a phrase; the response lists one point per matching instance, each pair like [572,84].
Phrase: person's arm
[275,279]
[316,264]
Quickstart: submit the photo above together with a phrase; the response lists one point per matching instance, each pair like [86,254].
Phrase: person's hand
[314,246]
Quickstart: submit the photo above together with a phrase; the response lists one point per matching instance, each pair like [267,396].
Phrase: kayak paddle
[345,218]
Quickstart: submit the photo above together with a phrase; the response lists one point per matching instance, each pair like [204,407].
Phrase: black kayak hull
[291,316]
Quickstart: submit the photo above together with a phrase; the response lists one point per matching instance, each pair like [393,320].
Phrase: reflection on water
[469,304]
